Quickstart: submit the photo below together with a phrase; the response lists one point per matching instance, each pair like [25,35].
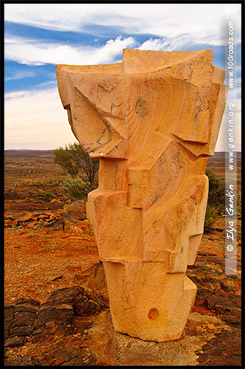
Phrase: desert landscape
[50,251]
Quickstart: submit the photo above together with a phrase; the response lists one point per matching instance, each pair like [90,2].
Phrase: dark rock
[64,295]
[236,299]
[224,306]
[62,313]
[79,324]
[57,278]
[227,285]
[86,357]
[15,342]
[219,229]
[23,300]
[50,329]
[24,361]
[233,317]
[27,308]
[21,331]
[8,312]
[222,350]
[23,318]
[8,318]
[84,301]
[202,294]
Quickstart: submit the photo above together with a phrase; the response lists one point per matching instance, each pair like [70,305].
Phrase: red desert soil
[40,261]
[44,252]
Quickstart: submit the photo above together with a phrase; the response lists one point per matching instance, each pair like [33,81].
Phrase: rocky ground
[56,301]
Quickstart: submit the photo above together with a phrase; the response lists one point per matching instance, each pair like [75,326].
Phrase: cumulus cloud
[35,52]
[181,42]
[163,20]
[36,119]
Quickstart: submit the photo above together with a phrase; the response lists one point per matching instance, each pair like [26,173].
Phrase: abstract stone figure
[151,120]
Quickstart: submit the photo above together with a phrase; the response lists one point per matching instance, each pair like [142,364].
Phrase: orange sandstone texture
[151,120]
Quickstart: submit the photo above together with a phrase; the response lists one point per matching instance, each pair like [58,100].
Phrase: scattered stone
[222,350]
[227,285]
[61,313]
[9,223]
[24,361]
[219,229]
[15,341]
[86,357]
[23,300]
[225,307]
[23,330]
[26,307]
[23,318]
[57,278]
[23,216]
[84,301]
[8,318]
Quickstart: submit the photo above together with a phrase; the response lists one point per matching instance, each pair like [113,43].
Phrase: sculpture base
[146,302]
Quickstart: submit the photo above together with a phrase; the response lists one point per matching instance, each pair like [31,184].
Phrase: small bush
[45,196]
[76,188]
[212,215]
[216,199]
[216,195]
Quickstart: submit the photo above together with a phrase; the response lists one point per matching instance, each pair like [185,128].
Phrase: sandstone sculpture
[151,120]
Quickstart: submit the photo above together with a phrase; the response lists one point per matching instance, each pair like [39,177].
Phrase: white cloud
[163,20]
[36,120]
[34,52]
[181,41]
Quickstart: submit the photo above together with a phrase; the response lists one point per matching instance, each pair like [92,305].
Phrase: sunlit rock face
[151,120]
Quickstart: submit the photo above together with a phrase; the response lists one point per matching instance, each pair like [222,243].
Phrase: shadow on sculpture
[151,120]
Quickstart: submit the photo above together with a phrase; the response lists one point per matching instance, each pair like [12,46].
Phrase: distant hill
[220,156]
[29,153]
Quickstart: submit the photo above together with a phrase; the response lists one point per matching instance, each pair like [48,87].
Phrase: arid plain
[47,247]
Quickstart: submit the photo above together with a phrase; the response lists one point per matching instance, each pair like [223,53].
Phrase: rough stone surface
[14,341]
[151,120]
[27,317]
[123,350]
[24,361]
[222,350]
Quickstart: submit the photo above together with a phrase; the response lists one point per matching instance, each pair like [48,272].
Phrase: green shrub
[75,161]
[216,195]
[45,196]
[216,199]
[211,216]
[76,188]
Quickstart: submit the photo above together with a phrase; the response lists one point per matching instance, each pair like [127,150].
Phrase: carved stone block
[151,120]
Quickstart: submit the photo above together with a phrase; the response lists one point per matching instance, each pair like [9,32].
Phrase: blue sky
[40,36]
